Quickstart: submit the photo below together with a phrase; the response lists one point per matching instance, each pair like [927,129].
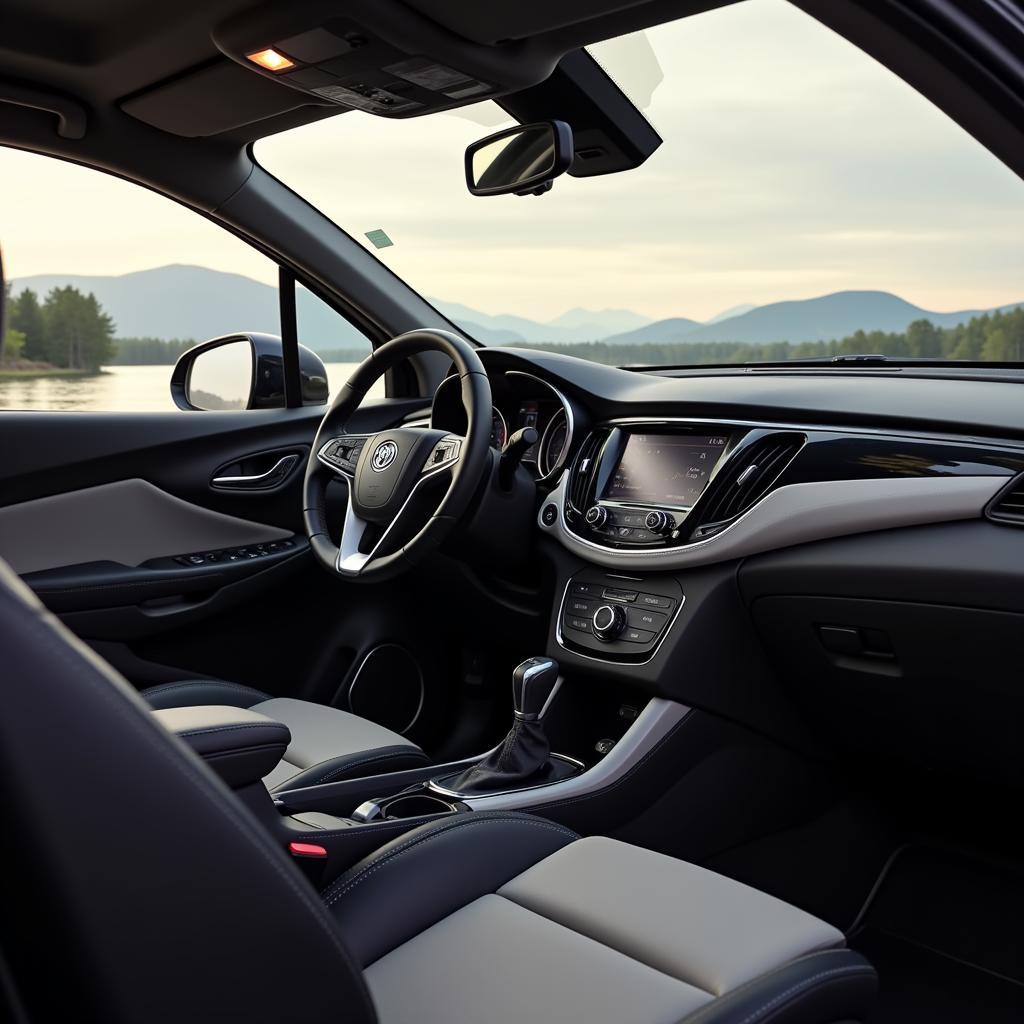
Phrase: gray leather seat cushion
[505,965]
[604,932]
[700,927]
[327,744]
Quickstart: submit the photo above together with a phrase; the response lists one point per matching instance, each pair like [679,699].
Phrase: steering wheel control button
[609,621]
[444,452]
[597,516]
[343,453]
[550,514]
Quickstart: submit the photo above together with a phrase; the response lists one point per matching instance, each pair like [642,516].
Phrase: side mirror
[243,371]
[522,161]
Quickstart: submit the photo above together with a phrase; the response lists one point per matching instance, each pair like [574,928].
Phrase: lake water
[122,389]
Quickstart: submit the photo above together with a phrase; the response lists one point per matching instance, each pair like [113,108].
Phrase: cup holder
[416,805]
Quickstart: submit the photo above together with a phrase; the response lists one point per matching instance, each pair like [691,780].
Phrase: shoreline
[11,373]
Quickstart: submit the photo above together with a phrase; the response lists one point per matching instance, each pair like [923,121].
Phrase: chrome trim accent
[419,671]
[559,638]
[504,424]
[287,461]
[569,421]
[351,561]
[651,726]
[383,456]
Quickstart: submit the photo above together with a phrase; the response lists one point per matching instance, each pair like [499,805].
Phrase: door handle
[259,481]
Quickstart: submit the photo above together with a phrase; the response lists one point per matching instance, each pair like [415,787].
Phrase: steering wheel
[394,518]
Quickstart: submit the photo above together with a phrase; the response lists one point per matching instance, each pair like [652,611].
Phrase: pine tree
[78,334]
[26,317]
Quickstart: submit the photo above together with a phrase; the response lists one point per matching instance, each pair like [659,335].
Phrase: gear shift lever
[533,684]
[524,751]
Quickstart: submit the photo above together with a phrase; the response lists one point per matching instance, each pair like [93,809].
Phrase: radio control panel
[617,619]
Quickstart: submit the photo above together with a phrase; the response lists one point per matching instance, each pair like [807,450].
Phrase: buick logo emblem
[384,454]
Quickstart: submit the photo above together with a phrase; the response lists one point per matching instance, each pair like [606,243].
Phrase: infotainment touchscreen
[665,469]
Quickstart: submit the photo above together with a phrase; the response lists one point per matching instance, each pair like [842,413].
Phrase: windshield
[805,202]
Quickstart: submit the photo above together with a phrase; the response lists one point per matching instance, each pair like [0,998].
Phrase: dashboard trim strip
[799,514]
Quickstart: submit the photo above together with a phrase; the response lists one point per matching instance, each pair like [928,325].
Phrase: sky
[793,165]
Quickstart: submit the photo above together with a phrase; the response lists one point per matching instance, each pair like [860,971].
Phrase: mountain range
[184,302]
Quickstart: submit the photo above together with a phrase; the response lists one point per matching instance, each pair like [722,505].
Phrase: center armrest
[240,746]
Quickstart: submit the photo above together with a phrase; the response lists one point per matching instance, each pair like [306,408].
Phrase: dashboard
[849,542]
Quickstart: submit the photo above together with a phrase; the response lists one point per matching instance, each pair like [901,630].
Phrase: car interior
[763,624]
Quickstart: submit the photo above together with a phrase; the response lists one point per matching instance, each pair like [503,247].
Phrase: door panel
[127,522]
[100,512]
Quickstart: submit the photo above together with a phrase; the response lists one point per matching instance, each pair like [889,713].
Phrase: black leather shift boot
[522,754]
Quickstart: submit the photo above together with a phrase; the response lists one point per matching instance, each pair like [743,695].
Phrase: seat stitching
[398,851]
[277,727]
[165,687]
[161,744]
[793,990]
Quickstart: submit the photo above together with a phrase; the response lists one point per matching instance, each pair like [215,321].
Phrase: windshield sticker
[378,237]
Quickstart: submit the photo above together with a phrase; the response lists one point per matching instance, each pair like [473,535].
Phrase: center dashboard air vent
[743,481]
[1008,504]
[582,473]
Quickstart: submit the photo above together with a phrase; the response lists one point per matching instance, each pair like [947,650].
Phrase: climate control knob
[660,522]
[609,622]
[596,516]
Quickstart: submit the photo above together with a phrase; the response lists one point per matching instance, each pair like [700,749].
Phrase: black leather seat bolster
[834,985]
[356,765]
[195,692]
[426,874]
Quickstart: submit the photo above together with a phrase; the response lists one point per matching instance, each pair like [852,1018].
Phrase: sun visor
[214,99]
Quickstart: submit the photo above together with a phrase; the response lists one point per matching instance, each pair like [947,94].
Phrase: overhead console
[367,56]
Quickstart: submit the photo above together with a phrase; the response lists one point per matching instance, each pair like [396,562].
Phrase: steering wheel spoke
[351,561]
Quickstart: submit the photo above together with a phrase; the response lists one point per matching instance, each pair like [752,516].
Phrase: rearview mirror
[522,161]
[243,371]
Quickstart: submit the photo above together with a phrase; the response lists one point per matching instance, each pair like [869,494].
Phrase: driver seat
[327,744]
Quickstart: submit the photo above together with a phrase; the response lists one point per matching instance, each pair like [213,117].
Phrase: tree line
[68,330]
[992,338]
